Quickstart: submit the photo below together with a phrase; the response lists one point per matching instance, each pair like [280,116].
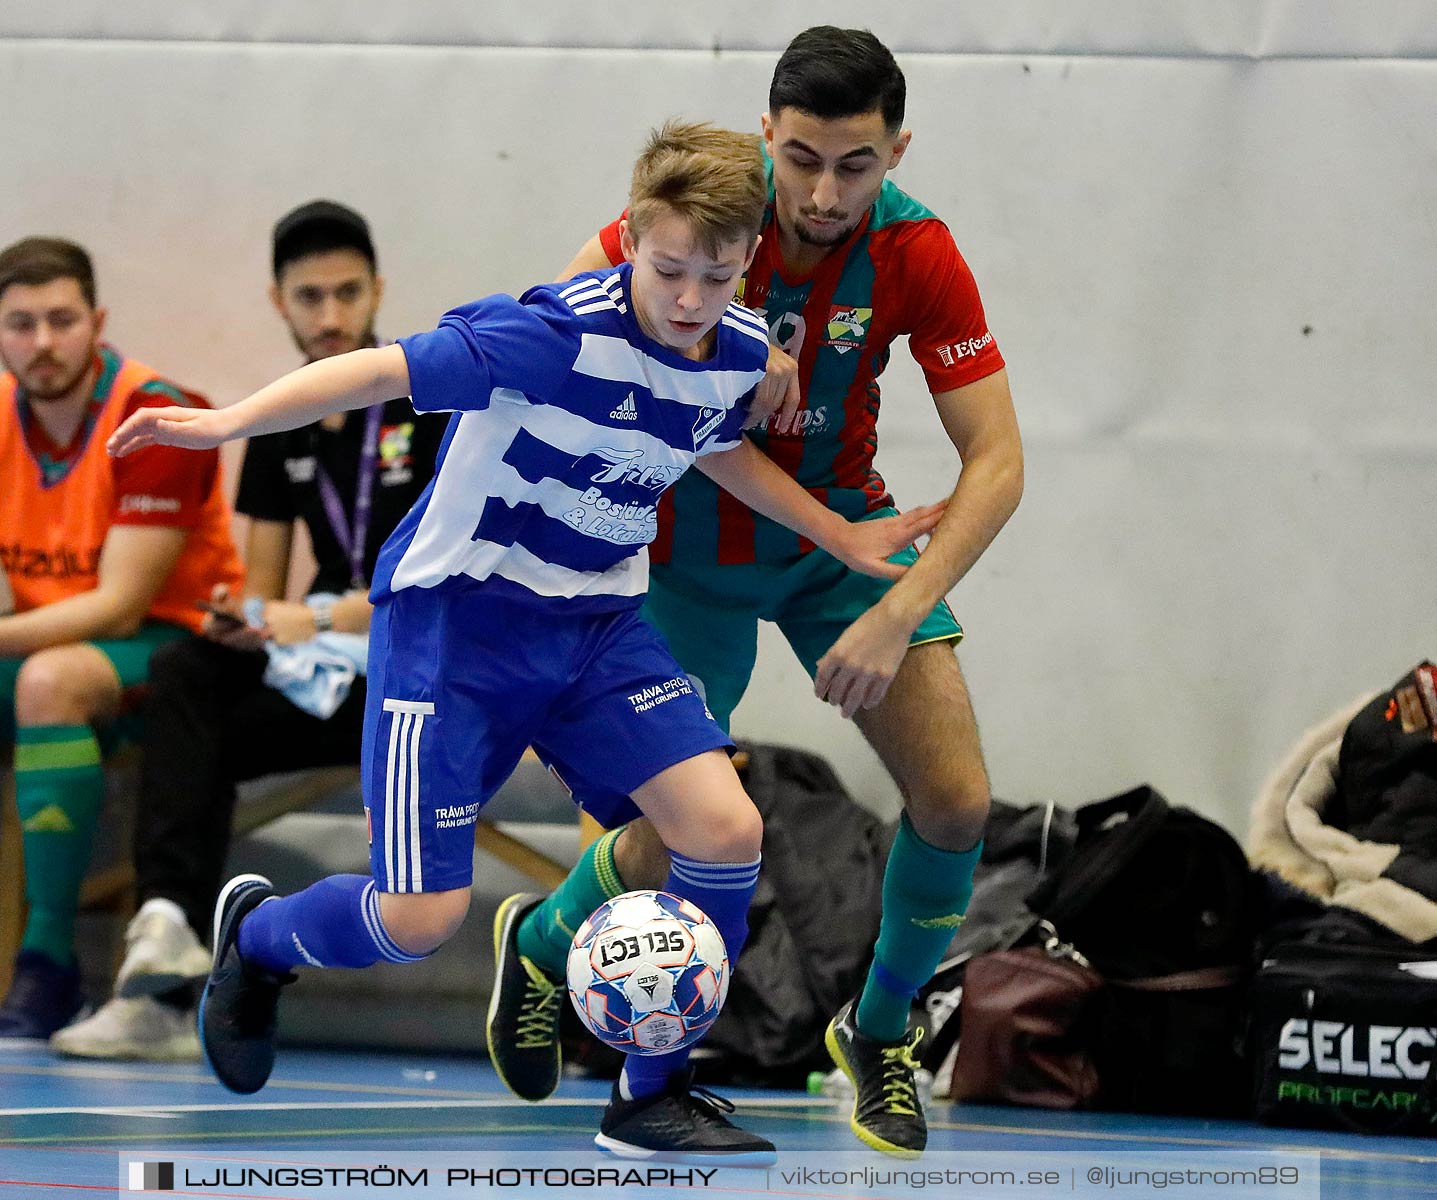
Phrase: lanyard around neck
[353,537]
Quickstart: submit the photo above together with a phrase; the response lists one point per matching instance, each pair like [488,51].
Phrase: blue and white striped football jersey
[569,424]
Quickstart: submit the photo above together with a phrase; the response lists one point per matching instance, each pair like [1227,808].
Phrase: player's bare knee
[734,836]
[50,691]
[950,810]
[421,922]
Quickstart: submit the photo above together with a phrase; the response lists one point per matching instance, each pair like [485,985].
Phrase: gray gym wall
[1204,233]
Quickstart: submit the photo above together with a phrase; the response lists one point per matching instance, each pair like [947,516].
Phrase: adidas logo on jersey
[627,411]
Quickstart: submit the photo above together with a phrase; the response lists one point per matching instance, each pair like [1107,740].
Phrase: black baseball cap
[318,226]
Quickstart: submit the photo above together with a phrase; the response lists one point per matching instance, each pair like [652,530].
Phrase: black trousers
[210,723]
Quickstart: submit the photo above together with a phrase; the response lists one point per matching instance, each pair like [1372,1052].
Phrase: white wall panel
[1244,28]
[1204,235]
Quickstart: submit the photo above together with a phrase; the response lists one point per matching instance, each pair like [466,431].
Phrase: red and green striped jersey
[898,274]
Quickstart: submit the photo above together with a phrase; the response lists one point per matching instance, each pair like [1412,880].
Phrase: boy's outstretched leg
[240,999]
[341,921]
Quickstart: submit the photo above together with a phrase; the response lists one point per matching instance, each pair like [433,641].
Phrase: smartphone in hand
[227,620]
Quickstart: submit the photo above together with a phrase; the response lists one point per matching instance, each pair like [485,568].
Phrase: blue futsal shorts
[462,680]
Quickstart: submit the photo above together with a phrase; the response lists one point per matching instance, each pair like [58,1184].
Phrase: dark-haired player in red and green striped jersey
[847,264]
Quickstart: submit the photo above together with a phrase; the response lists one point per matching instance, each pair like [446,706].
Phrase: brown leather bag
[1028,1016]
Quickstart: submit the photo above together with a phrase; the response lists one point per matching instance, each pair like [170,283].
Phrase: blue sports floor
[65,1124]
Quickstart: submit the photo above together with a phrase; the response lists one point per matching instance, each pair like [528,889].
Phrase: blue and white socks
[332,923]
[723,891]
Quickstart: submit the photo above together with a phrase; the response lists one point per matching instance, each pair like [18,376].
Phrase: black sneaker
[237,1010]
[524,1008]
[682,1124]
[44,997]
[887,1111]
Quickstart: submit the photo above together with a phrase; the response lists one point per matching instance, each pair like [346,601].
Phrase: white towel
[316,675]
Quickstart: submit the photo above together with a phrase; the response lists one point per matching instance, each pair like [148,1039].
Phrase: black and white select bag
[1345,1037]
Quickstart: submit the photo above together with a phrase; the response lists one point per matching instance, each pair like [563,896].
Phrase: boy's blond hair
[714,178]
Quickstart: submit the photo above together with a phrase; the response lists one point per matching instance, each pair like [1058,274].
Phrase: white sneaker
[143,1029]
[161,954]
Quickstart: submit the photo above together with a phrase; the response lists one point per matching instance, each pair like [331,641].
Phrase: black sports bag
[1345,1037]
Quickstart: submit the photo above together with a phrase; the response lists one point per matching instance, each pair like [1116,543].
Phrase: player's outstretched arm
[863,545]
[346,381]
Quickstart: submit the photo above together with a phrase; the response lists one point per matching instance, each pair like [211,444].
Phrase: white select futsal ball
[648,972]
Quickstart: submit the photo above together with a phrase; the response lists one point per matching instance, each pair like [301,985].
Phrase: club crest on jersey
[396,443]
[847,327]
[709,420]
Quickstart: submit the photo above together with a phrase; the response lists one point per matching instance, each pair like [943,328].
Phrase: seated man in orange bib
[106,561]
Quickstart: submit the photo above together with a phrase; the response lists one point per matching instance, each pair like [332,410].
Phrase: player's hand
[777,395]
[225,623]
[189,428]
[859,667]
[287,622]
[867,546]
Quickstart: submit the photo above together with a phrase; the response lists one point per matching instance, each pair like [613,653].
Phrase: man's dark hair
[831,72]
[35,261]
[318,227]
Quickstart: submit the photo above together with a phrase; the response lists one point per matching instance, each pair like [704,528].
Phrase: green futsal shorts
[129,656]
[710,615]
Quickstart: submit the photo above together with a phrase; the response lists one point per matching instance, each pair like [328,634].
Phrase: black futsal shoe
[44,997]
[682,1124]
[887,1111]
[524,1009]
[240,1000]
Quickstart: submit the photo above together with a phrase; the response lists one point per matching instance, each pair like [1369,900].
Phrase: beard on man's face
[831,235]
[329,342]
[46,377]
